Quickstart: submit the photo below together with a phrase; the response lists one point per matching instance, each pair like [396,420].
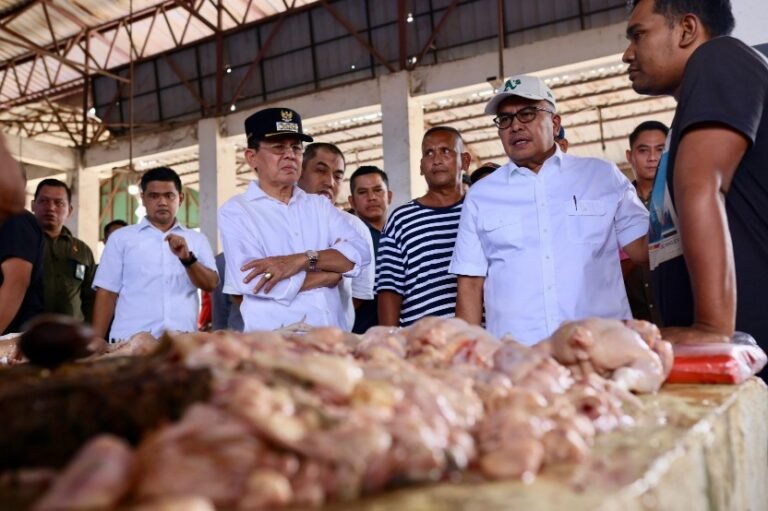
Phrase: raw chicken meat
[302,417]
[612,350]
[98,477]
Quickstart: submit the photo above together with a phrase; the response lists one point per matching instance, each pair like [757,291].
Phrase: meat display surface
[302,420]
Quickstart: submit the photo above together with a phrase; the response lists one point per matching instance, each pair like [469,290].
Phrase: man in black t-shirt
[710,196]
[21,271]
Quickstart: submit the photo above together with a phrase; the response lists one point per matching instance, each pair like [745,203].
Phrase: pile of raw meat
[307,419]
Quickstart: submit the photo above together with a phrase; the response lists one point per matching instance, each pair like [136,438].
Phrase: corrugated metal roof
[158,26]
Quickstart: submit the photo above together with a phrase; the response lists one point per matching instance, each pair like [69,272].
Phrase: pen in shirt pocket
[575,204]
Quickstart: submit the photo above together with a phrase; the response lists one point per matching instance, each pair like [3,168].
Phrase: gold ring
[267,276]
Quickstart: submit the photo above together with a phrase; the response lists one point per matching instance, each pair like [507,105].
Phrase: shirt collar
[556,159]
[145,223]
[254,192]
[66,233]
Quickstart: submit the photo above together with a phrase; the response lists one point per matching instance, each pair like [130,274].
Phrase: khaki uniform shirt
[68,269]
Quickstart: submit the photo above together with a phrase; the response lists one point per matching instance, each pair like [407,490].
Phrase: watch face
[312,254]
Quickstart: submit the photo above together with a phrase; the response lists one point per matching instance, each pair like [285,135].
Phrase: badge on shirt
[80,271]
[663,236]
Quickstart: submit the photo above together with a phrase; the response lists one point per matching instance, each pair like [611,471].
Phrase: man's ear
[691,30]
[389,197]
[556,120]
[466,159]
[181,197]
[629,156]
[250,157]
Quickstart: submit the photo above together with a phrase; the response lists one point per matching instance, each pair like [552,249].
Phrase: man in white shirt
[537,238]
[150,272]
[322,173]
[286,250]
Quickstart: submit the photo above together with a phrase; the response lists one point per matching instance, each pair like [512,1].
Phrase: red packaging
[716,362]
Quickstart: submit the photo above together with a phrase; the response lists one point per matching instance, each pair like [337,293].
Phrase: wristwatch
[312,257]
[189,261]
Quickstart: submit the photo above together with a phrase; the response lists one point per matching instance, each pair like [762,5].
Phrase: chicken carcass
[610,349]
[208,453]
[98,477]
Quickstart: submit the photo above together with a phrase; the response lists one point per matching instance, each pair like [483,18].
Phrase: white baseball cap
[523,86]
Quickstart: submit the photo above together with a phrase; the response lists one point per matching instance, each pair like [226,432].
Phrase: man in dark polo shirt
[68,264]
[370,200]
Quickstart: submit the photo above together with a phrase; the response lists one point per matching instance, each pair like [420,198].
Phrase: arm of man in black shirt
[706,161]
[17,274]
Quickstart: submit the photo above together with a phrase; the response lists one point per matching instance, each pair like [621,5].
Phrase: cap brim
[301,136]
[492,107]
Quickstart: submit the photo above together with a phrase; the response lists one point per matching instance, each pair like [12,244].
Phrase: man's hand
[12,185]
[273,270]
[178,246]
[692,335]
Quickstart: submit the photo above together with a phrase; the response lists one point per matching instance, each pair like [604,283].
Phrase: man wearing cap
[286,250]
[537,238]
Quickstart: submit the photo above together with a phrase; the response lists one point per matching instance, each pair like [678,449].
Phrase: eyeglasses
[524,115]
[282,149]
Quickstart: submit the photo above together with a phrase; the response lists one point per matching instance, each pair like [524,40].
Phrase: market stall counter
[695,447]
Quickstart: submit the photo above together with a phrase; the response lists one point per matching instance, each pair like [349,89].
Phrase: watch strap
[189,261]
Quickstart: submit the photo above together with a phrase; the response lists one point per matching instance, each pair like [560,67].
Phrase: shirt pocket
[588,221]
[500,229]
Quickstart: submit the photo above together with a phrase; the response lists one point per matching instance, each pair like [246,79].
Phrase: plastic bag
[732,362]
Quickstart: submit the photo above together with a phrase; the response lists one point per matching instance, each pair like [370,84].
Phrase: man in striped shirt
[412,279]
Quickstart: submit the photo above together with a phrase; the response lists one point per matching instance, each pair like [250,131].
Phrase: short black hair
[55,183]
[364,171]
[110,225]
[715,15]
[311,151]
[482,171]
[647,126]
[160,174]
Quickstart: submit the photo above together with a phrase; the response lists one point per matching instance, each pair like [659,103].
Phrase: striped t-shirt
[414,254]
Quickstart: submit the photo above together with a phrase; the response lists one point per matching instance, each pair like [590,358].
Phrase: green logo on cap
[511,85]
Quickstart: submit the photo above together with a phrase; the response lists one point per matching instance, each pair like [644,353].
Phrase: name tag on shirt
[80,271]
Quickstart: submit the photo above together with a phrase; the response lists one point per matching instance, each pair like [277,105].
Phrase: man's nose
[629,54]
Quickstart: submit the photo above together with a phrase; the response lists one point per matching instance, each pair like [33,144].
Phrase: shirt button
[646,285]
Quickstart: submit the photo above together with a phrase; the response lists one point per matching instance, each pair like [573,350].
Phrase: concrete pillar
[218,179]
[402,126]
[84,222]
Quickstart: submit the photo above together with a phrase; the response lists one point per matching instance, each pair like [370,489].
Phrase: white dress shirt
[360,287]
[154,291]
[547,243]
[254,225]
